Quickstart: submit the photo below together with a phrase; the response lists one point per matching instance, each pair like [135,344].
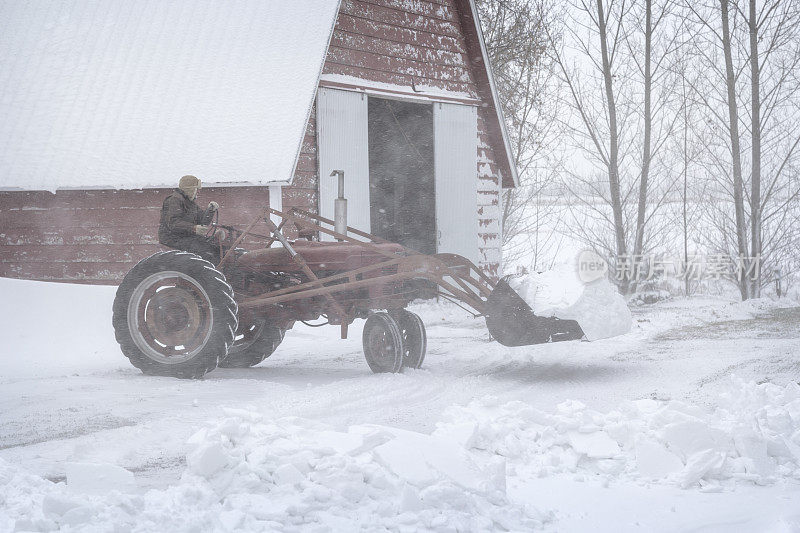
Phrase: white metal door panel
[455,130]
[343,145]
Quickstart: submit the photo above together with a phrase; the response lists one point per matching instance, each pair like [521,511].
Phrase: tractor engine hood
[320,256]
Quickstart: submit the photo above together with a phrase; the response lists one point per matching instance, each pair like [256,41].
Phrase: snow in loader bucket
[512,322]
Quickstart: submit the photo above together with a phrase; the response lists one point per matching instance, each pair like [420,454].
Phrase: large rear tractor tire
[175,315]
[253,343]
[415,340]
[383,343]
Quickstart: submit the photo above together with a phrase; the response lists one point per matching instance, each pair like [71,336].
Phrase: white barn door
[455,131]
[342,144]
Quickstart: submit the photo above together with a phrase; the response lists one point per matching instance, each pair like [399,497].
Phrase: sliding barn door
[343,145]
[455,130]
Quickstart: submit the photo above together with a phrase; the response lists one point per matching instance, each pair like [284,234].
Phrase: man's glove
[213,206]
[202,230]
[221,234]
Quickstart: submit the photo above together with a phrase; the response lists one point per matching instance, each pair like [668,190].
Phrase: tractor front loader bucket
[512,322]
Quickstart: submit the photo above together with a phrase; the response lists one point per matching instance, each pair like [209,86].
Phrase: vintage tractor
[176,314]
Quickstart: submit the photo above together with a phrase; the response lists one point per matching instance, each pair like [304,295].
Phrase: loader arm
[509,319]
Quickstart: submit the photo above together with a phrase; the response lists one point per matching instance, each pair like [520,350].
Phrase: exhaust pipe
[340,206]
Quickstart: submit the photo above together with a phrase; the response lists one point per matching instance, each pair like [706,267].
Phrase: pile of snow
[753,435]
[248,473]
[56,329]
[597,306]
[748,309]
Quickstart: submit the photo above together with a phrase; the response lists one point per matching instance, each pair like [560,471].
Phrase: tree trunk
[686,280]
[638,246]
[755,185]
[613,156]
[733,119]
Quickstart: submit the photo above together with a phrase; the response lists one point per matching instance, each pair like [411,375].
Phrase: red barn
[106,104]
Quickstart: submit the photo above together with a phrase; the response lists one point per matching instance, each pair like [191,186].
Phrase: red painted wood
[297,197]
[307,162]
[400,50]
[442,11]
[360,26]
[94,273]
[97,235]
[124,199]
[394,78]
[305,180]
[416,68]
[399,18]
[492,127]
[33,236]
[86,253]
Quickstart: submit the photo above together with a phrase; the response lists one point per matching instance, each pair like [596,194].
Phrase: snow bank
[247,473]
[56,329]
[597,306]
[753,435]
[748,309]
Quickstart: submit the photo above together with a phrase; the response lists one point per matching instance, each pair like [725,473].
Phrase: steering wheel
[212,226]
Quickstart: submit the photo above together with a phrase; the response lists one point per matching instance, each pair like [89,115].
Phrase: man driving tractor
[185,226]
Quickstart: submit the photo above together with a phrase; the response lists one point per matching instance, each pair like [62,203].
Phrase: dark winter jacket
[179,216]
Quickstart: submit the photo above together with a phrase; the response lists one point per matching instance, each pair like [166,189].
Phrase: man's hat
[189,184]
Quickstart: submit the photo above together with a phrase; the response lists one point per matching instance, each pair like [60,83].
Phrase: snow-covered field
[690,422]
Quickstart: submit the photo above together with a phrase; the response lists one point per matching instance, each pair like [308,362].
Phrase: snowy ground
[691,422]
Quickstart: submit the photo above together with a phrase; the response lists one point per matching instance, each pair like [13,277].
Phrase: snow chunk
[288,474]
[700,465]
[461,434]
[597,445]
[395,456]
[99,478]
[694,436]
[421,459]
[597,306]
[600,311]
[58,504]
[655,461]
[206,460]
[548,291]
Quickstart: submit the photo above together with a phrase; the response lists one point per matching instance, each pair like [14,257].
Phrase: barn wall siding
[401,43]
[96,236]
[303,192]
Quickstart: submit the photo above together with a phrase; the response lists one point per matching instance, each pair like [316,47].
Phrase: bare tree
[618,84]
[516,42]
[760,48]
[687,147]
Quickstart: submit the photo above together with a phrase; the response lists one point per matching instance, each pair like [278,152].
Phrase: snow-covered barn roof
[108,93]
[115,94]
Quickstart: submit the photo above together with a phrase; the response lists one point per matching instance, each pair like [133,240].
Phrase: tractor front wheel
[253,343]
[415,341]
[383,343]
